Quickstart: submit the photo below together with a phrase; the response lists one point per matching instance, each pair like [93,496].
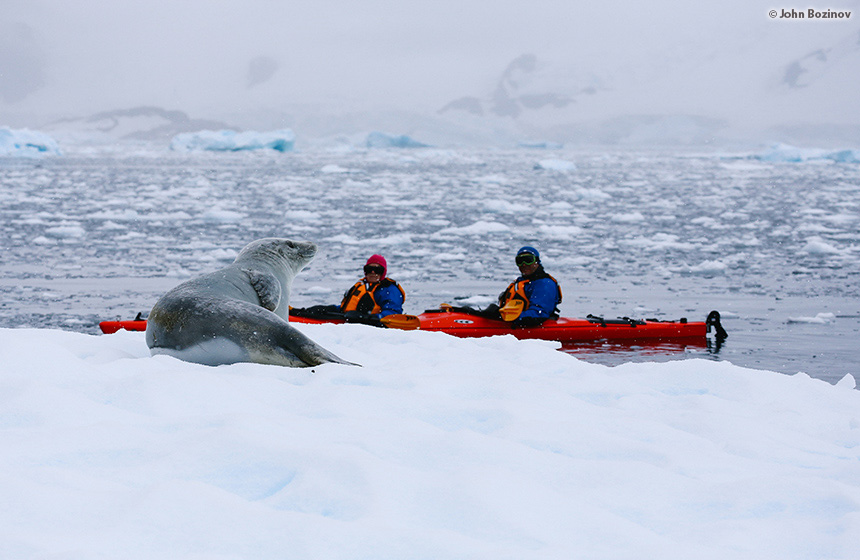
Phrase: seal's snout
[305,248]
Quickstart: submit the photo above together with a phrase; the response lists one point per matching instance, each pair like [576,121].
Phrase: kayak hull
[565,330]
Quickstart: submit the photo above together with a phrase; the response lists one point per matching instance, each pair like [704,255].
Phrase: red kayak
[459,323]
[564,329]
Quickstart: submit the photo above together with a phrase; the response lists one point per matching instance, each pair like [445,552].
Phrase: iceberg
[382,140]
[541,145]
[26,143]
[555,165]
[232,141]
[792,154]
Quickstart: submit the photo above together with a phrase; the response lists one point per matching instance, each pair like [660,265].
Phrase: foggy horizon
[243,62]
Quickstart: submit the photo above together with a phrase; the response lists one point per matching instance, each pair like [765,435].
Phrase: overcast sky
[204,56]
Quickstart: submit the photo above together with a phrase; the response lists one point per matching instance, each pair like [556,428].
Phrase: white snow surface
[436,448]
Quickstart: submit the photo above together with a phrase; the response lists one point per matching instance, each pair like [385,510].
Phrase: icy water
[773,246]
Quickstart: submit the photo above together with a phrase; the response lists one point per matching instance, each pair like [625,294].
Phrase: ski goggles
[373,269]
[525,259]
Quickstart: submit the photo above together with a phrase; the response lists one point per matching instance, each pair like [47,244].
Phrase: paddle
[402,322]
[512,309]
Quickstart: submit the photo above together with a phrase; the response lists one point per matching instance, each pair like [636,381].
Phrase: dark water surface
[775,247]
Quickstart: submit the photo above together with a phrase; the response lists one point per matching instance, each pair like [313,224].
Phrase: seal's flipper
[306,349]
[267,287]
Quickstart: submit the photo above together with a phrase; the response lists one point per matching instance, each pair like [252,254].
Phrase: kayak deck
[563,329]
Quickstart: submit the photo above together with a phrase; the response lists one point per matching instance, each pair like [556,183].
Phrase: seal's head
[293,254]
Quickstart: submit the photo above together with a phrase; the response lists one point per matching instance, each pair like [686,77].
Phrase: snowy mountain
[733,93]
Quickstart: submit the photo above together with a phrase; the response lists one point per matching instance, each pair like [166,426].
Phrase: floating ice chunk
[223,255]
[382,140]
[343,238]
[504,206]
[232,141]
[704,268]
[817,246]
[112,226]
[628,218]
[394,239]
[591,194]
[819,319]
[318,291]
[478,228]
[478,302]
[26,143]
[659,242]
[560,232]
[178,272]
[333,168]
[66,231]
[555,165]
[302,215]
[493,179]
[222,216]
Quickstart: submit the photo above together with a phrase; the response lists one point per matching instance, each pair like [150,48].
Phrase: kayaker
[370,299]
[375,295]
[533,297]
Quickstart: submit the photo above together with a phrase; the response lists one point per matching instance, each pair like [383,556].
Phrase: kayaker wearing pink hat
[375,295]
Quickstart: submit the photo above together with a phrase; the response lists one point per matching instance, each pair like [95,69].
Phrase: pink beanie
[380,260]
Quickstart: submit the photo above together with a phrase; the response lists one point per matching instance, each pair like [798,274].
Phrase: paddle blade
[512,309]
[402,322]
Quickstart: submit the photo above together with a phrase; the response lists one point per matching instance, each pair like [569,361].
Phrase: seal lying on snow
[239,313]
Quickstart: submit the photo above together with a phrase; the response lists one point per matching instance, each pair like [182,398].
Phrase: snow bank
[437,447]
[232,141]
[26,143]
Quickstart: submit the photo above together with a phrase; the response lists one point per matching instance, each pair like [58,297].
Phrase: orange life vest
[517,290]
[362,296]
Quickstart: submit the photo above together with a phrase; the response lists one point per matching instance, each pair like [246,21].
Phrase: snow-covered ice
[436,448]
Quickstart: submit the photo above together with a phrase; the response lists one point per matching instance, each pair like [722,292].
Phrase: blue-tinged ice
[382,140]
[26,143]
[537,145]
[232,141]
[793,154]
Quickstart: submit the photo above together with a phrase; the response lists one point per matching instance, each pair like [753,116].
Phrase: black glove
[363,318]
[321,312]
[526,322]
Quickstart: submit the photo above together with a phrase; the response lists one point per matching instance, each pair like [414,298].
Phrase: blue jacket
[390,299]
[543,298]
[542,294]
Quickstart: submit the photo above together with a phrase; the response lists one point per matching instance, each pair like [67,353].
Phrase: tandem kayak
[462,323]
